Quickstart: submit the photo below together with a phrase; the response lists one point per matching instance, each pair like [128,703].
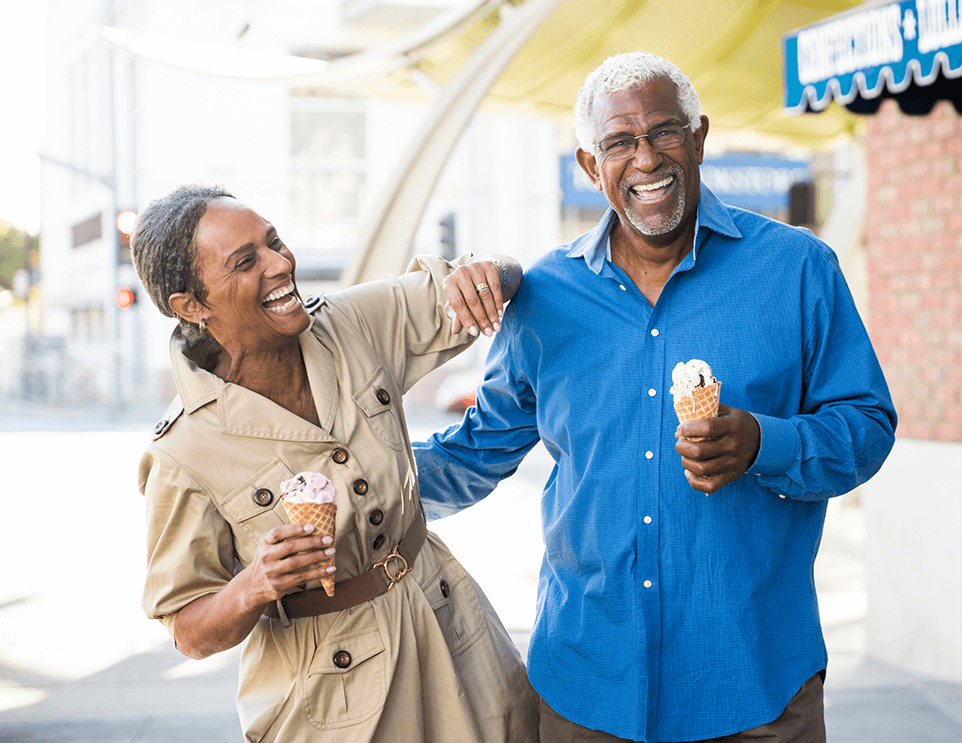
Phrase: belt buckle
[400,568]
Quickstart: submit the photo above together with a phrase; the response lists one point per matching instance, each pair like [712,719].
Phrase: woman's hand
[477,292]
[287,557]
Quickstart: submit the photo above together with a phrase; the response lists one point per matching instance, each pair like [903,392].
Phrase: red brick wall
[914,243]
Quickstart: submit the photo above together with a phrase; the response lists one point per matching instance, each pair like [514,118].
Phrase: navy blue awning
[910,50]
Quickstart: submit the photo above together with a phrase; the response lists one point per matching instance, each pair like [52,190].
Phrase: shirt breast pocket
[378,399]
[255,507]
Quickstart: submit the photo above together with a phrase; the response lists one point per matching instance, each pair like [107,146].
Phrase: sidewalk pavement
[155,695]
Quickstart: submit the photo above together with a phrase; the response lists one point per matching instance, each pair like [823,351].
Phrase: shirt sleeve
[403,317]
[189,544]
[463,464]
[846,424]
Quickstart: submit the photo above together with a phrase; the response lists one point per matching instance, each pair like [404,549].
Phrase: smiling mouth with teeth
[281,299]
[645,187]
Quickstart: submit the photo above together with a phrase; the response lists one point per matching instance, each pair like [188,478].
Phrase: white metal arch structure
[391,229]
[231,61]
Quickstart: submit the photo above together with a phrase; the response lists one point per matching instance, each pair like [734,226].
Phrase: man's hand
[730,446]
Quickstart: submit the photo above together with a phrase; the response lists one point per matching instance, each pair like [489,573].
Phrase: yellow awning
[730,50]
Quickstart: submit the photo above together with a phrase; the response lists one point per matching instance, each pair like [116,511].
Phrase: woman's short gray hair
[164,245]
[624,71]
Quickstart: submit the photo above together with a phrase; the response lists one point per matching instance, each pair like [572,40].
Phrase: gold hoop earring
[203,325]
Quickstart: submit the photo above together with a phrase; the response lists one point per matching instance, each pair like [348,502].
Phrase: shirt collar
[246,413]
[712,215]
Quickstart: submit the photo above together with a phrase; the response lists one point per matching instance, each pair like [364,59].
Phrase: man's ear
[187,307]
[588,164]
[699,136]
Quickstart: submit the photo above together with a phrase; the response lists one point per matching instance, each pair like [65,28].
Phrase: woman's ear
[187,307]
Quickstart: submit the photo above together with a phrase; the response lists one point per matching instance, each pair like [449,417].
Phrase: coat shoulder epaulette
[173,412]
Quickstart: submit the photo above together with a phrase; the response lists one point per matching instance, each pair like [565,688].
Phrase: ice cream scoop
[686,377]
[308,487]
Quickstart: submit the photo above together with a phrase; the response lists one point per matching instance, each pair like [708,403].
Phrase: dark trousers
[803,721]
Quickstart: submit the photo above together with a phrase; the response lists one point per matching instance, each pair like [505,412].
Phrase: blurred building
[125,129]
[900,63]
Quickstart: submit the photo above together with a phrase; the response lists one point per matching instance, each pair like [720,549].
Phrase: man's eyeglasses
[623,146]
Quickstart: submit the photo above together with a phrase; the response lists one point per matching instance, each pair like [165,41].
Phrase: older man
[665,615]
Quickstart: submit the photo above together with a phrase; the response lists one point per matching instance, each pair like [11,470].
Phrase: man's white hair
[624,71]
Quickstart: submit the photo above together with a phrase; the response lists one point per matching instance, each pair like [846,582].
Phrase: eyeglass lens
[624,145]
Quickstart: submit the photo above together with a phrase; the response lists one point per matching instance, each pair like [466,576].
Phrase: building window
[328,181]
[88,324]
[87,231]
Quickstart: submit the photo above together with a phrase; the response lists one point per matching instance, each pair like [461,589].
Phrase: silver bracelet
[504,271]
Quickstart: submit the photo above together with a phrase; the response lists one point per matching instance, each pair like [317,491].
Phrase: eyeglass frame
[684,127]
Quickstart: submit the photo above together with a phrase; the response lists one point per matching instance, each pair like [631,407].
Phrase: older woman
[408,648]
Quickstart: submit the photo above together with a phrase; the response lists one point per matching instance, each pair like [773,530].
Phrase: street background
[79,661]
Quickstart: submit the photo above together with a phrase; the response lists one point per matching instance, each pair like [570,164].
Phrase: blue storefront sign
[757,181]
[872,50]
[576,188]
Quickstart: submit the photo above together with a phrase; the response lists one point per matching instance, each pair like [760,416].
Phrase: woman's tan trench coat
[430,660]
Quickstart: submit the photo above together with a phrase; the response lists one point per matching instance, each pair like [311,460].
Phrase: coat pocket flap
[343,653]
[260,494]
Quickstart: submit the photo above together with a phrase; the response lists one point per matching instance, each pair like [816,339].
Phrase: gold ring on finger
[482,287]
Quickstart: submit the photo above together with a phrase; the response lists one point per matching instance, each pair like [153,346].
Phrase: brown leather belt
[353,591]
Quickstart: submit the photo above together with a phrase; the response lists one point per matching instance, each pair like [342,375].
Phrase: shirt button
[339,455]
[649,454]
[379,541]
[647,519]
[342,659]
[654,332]
[376,517]
[647,584]
[622,287]
[263,497]
[652,393]
[383,396]
[360,487]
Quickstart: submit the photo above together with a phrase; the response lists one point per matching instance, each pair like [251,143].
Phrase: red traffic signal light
[125,298]
[127,222]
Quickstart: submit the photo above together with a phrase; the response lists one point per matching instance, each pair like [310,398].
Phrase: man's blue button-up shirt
[665,615]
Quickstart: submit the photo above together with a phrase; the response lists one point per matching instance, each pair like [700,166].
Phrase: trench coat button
[379,541]
[360,487]
[383,396]
[263,497]
[376,517]
[342,659]
[445,589]
[161,425]
[340,456]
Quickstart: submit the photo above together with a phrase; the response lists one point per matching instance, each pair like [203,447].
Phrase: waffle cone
[701,404]
[323,517]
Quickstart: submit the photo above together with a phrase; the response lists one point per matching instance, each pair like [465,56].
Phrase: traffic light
[449,248]
[126,222]
[125,298]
